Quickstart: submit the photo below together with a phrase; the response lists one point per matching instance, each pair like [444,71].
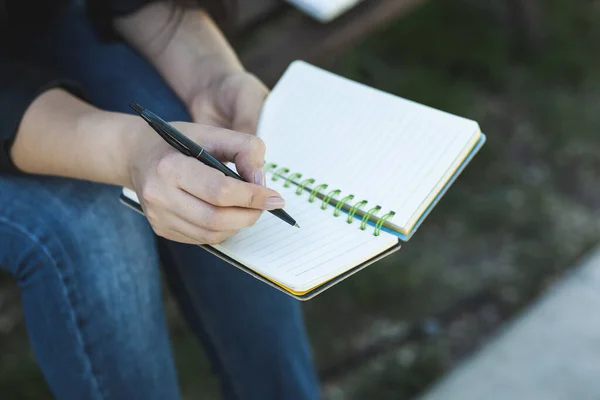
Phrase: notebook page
[324,10]
[381,148]
[301,258]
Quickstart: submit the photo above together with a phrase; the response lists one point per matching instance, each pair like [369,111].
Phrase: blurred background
[520,217]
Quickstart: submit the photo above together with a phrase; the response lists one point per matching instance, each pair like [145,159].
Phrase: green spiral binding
[342,203]
[328,198]
[381,221]
[290,178]
[354,209]
[303,185]
[365,220]
[269,166]
[278,173]
[316,191]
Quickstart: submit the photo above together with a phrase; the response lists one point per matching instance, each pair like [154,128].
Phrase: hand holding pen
[188,201]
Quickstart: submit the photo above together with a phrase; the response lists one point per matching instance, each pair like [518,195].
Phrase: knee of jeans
[83,241]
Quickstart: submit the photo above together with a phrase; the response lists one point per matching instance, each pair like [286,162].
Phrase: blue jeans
[89,275]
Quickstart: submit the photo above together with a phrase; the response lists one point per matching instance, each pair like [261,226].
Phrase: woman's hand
[230,100]
[183,199]
[187,201]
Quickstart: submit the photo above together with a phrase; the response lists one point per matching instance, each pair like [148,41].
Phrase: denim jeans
[89,271]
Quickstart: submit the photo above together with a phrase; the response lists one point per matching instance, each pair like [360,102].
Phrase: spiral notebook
[360,170]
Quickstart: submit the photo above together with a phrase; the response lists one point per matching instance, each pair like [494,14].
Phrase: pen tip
[136,107]
[297,226]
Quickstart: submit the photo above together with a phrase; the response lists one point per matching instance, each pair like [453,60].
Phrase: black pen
[190,148]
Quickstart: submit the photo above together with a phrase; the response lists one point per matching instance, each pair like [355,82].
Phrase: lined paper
[382,148]
[323,248]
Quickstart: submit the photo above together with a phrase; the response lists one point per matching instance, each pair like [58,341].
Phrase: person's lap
[91,299]
[88,267]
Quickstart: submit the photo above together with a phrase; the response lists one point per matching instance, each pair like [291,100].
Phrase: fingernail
[274,203]
[259,177]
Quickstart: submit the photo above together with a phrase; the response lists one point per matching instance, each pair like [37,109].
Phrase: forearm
[63,136]
[184,48]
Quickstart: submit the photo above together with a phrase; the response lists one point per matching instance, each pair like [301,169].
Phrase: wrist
[135,139]
[119,135]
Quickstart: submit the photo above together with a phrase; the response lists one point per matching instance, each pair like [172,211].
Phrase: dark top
[20,82]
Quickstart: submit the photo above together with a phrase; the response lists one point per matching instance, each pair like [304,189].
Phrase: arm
[183,199]
[190,51]
[196,60]
[62,135]
[184,45]
[186,201]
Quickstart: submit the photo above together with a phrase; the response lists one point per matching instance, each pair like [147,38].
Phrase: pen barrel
[282,215]
[216,164]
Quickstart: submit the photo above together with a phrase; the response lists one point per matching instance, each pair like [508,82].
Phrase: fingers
[190,202]
[187,233]
[215,188]
[174,210]
[206,225]
[206,216]
[245,150]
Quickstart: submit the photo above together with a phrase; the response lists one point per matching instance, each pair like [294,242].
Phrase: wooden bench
[269,34]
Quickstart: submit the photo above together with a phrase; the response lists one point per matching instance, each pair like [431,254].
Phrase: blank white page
[301,258]
[382,148]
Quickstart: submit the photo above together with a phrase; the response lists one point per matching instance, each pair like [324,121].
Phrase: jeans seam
[213,338]
[46,251]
